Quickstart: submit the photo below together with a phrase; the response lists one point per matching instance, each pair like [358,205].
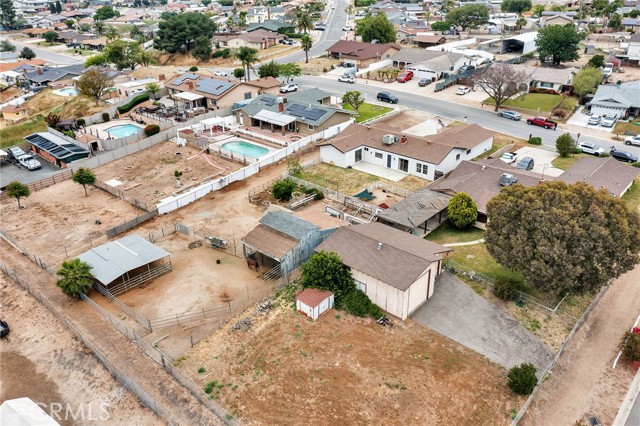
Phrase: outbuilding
[313,302]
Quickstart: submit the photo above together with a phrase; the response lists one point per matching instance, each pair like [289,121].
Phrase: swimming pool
[69,91]
[123,130]
[245,148]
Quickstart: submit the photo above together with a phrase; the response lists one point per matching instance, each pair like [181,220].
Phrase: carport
[520,44]
[120,265]
[267,247]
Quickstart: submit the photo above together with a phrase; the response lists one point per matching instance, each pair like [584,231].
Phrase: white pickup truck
[607,70]
[29,162]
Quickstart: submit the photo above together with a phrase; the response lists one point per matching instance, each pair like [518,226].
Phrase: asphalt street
[49,56]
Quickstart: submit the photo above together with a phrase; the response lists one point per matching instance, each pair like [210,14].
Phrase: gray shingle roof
[54,74]
[287,224]
[417,208]
[623,95]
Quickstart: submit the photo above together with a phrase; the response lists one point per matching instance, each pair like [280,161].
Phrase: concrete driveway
[542,160]
[462,315]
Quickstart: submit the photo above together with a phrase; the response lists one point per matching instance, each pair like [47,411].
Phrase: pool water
[123,130]
[70,91]
[245,148]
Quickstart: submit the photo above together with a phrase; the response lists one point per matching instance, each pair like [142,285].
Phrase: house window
[311,127]
[418,167]
[468,151]
[247,95]
[366,149]
[361,286]
[378,155]
[458,157]
[422,168]
[546,85]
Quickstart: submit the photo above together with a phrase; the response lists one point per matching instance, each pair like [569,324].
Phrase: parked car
[526,163]
[467,68]
[288,41]
[511,115]
[221,74]
[607,70]
[288,87]
[594,120]
[509,157]
[347,78]
[462,90]
[507,179]
[623,155]
[608,120]
[4,328]
[424,82]
[73,44]
[387,97]
[591,148]
[347,28]
[14,153]
[29,162]
[405,76]
[542,122]
[632,140]
[319,27]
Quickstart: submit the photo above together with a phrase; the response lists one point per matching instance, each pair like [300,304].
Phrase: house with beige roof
[258,39]
[396,270]
[428,157]
[362,54]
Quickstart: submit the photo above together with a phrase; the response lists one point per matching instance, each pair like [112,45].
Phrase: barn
[313,302]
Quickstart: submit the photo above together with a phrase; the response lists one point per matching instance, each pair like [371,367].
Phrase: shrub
[560,113]
[201,370]
[152,129]
[462,211]
[522,379]
[283,189]
[222,53]
[294,167]
[69,133]
[133,102]
[319,195]
[80,122]
[506,286]
[565,145]
[208,388]
[535,140]
[52,119]
[193,69]
[630,346]
[105,117]
[358,304]
[541,90]
[576,151]
[637,164]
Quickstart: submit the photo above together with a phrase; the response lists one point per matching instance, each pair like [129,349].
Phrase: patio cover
[24,412]
[188,96]
[114,259]
[279,119]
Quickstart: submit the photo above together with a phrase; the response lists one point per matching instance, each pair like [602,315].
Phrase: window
[366,149]
[422,168]
[378,155]
[311,127]
[247,95]
[546,85]
[468,151]
[418,167]
[458,157]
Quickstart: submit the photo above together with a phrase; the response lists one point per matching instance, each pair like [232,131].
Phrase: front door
[359,155]
[389,161]
[403,164]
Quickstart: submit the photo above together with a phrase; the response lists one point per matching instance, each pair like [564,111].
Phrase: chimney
[379,246]
[403,139]
[39,71]
[162,77]
[268,13]
[281,107]
[190,85]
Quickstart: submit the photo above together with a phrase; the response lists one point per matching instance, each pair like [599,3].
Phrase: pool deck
[100,129]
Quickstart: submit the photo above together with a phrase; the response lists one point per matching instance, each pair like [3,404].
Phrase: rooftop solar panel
[299,110]
[214,87]
[188,76]
[58,151]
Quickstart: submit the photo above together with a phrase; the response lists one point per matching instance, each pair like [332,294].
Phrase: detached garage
[313,302]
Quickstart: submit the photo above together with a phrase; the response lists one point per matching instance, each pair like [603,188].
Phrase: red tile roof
[312,297]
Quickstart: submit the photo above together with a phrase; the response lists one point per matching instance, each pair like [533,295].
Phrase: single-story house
[313,302]
[546,21]
[607,173]
[362,54]
[55,149]
[93,43]
[13,113]
[35,32]
[272,25]
[619,99]
[428,157]
[421,211]
[303,112]
[45,75]
[633,51]
[550,78]
[424,41]
[631,24]
[443,62]
[257,39]
[396,270]
[132,87]
[23,411]
[67,36]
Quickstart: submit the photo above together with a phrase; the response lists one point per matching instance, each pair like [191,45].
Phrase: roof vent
[379,245]
[388,139]
[484,167]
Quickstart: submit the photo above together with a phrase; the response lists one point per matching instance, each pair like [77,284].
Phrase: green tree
[560,42]
[95,83]
[615,22]
[238,73]
[565,145]
[137,34]
[17,190]
[325,271]
[515,6]
[52,8]
[123,54]
[50,36]
[98,60]
[304,23]
[290,70]
[105,13]
[540,232]
[521,22]
[462,211]
[247,57]
[558,8]
[537,10]
[152,88]
[630,346]
[58,7]
[522,379]
[376,28]
[143,58]
[501,82]
[27,54]
[587,80]
[270,69]
[84,27]
[99,26]
[469,16]
[202,49]
[75,279]
[349,10]
[596,61]
[283,189]
[441,26]
[112,33]
[306,44]
[69,23]
[179,32]
[206,3]
[84,177]
[353,98]
[6,46]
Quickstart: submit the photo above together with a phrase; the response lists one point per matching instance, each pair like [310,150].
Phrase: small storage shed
[313,302]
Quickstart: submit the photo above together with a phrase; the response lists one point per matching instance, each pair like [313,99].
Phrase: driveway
[542,160]
[582,120]
[462,315]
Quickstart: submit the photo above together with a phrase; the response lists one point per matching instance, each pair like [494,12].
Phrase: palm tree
[349,10]
[76,277]
[306,43]
[99,25]
[247,57]
[112,33]
[304,22]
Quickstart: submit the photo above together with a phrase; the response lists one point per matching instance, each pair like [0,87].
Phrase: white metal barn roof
[114,259]
[24,412]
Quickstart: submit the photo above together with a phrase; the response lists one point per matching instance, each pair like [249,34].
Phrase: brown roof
[606,173]
[320,218]
[382,252]
[13,65]
[360,50]
[13,108]
[198,78]
[264,83]
[36,30]
[270,242]
[312,297]
[428,39]
[10,93]
[432,149]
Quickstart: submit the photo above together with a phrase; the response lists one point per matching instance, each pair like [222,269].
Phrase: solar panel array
[214,87]
[58,151]
[268,100]
[188,76]
[308,113]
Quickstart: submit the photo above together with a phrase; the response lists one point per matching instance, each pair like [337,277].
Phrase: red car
[542,122]
[405,76]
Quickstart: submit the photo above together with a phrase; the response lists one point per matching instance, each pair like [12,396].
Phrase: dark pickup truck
[542,122]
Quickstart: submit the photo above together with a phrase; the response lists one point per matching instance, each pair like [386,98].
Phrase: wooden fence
[44,183]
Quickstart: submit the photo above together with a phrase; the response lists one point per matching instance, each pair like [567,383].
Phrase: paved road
[443,108]
[459,313]
[49,56]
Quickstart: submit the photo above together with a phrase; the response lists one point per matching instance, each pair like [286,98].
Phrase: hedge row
[135,101]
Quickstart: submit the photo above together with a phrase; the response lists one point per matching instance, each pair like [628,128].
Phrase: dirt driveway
[459,313]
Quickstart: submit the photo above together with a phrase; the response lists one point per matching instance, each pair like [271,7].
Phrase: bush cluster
[283,189]
[522,379]
[105,117]
[542,90]
[222,53]
[80,122]
[133,102]
[193,69]
[507,285]
[358,304]
[630,346]
[535,140]
[152,129]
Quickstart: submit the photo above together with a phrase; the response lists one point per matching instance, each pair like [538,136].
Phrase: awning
[188,96]
[277,118]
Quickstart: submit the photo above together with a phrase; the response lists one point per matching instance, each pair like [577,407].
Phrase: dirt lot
[61,217]
[44,361]
[149,174]
[349,371]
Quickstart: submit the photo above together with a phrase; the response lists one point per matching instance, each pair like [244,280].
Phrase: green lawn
[14,133]
[565,163]
[46,43]
[368,111]
[632,196]
[542,102]
[448,234]
[82,52]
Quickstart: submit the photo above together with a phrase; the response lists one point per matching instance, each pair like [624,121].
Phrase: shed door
[359,155]
[389,161]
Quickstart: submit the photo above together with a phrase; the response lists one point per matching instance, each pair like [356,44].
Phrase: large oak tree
[560,42]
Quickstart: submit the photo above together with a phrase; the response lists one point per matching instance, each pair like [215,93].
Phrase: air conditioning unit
[388,139]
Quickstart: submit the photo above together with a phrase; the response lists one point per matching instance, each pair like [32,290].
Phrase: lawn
[448,234]
[632,196]
[565,163]
[81,51]
[623,126]
[13,134]
[346,181]
[368,111]
[542,102]
[47,44]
